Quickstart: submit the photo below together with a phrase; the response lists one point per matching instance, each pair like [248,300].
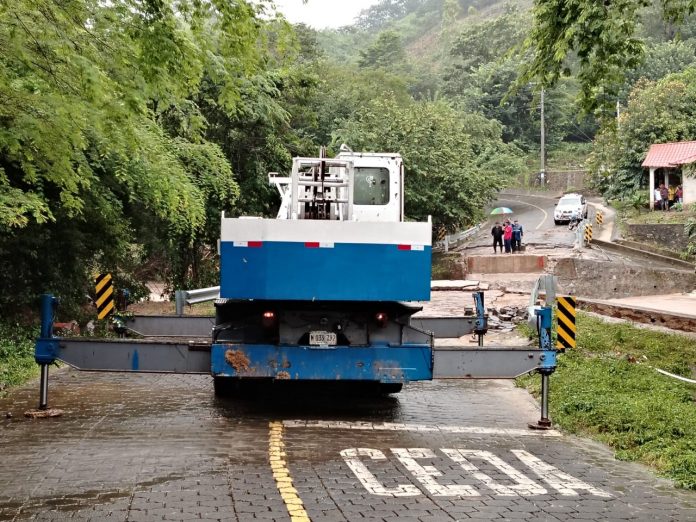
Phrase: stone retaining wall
[506,264]
[670,236]
[605,280]
[566,181]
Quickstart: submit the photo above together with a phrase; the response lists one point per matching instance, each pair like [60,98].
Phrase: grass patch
[659,217]
[17,363]
[647,217]
[607,390]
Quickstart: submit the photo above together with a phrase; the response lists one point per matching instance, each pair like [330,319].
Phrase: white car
[569,206]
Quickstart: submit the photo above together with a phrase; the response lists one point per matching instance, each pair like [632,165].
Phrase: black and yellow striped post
[105,295]
[599,217]
[565,318]
[588,233]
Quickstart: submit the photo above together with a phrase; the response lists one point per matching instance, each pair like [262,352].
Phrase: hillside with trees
[128,126]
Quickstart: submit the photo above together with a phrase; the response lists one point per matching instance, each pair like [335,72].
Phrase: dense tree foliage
[128,126]
[104,140]
[657,112]
[454,162]
[601,39]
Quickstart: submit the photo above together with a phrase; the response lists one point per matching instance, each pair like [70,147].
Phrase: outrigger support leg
[548,365]
[43,388]
[481,326]
[45,353]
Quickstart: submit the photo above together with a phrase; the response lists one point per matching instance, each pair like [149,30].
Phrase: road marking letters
[426,475]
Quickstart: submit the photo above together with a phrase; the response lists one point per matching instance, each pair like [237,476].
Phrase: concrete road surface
[161,447]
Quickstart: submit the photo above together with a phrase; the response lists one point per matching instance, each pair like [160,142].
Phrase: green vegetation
[659,111]
[127,126]
[16,355]
[600,43]
[607,389]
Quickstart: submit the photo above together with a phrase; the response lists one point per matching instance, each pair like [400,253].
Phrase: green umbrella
[500,211]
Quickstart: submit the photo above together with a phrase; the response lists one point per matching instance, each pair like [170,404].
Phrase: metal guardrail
[453,240]
[190,297]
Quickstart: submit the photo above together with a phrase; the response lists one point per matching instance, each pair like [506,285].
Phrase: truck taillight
[381,319]
[269,319]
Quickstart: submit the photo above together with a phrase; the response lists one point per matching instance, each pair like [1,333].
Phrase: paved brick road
[153,447]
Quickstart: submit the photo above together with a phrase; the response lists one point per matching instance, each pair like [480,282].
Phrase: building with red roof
[665,161]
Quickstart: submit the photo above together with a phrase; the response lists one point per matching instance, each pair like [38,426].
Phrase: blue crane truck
[325,291]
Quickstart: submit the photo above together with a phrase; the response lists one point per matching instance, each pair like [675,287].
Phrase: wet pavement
[684,304]
[535,214]
[162,447]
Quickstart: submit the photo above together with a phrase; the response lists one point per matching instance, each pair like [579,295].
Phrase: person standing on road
[497,233]
[507,237]
[517,234]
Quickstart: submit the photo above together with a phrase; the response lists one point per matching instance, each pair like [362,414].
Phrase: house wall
[689,187]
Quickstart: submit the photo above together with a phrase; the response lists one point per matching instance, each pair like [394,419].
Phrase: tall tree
[102,139]
[657,112]
[450,158]
[603,36]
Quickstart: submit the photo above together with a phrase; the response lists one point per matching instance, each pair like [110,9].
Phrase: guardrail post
[180,297]
[548,366]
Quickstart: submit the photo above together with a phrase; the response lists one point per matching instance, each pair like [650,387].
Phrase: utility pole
[618,114]
[543,142]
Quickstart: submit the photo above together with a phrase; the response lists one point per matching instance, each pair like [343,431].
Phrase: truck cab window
[371,186]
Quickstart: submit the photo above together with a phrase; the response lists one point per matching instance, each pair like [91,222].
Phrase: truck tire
[386,388]
[224,386]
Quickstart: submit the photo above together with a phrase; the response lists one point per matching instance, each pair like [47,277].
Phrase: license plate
[322,338]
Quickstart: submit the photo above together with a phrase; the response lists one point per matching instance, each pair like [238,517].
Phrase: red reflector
[312,244]
[255,244]
[404,247]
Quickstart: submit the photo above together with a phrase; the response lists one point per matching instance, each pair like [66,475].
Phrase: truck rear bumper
[366,363]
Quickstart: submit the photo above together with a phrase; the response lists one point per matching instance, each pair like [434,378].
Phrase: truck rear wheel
[224,386]
[386,388]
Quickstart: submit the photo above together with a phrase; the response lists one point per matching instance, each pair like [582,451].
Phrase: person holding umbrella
[507,236]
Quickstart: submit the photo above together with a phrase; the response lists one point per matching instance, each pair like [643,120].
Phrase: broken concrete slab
[460,284]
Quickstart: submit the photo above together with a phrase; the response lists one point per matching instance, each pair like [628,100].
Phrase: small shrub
[16,354]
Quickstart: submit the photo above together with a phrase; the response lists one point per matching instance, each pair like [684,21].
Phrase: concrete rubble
[506,318]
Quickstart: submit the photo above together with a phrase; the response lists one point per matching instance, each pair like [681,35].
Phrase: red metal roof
[670,154]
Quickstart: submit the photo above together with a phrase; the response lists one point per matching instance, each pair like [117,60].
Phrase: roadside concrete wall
[604,280]
[664,235]
[566,180]
[506,264]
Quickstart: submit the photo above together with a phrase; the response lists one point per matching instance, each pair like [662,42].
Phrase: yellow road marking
[281,474]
